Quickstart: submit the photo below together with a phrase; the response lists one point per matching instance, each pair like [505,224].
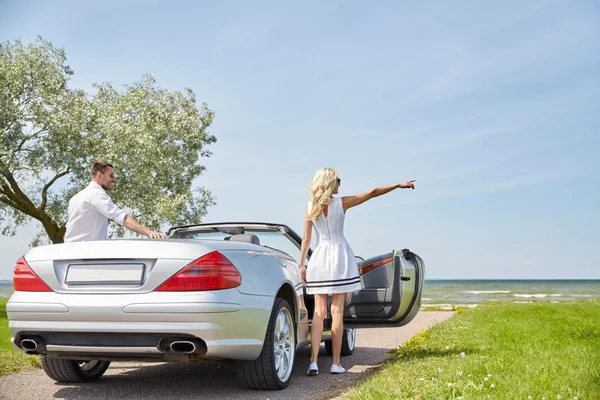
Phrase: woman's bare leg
[337,325]
[316,329]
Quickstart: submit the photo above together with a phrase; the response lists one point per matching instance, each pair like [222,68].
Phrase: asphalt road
[150,381]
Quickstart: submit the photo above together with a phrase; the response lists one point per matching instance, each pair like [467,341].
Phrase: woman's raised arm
[352,201]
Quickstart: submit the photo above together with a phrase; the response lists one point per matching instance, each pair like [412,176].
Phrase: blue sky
[491,106]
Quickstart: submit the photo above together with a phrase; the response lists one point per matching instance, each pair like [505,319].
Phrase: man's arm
[104,204]
[130,223]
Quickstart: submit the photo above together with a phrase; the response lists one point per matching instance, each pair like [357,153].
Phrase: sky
[492,107]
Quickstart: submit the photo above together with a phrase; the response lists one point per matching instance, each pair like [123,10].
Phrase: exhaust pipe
[183,346]
[29,345]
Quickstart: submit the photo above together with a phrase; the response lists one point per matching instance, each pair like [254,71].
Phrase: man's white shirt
[89,211]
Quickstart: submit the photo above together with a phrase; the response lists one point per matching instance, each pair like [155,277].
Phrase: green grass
[12,360]
[446,307]
[497,351]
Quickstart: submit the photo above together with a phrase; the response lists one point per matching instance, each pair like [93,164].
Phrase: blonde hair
[321,189]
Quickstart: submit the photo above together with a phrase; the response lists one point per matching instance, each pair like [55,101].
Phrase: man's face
[107,178]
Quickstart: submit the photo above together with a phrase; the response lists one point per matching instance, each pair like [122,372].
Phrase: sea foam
[486,291]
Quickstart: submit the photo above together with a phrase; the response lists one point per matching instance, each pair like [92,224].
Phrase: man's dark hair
[100,166]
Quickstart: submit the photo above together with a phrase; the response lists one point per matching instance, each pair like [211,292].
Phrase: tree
[50,134]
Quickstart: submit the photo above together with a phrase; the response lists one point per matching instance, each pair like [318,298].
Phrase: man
[90,209]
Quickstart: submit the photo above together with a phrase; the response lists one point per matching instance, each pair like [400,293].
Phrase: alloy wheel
[284,343]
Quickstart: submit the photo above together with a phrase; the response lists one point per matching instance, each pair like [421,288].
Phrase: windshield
[274,239]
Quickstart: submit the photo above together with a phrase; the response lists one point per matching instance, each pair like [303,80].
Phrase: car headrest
[245,237]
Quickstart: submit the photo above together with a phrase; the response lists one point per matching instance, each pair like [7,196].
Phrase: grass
[497,351]
[12,360]
[446,307]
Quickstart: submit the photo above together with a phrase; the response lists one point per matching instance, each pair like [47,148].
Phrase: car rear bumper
[135,327]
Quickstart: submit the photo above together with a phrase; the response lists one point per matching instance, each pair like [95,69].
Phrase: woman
[332,269]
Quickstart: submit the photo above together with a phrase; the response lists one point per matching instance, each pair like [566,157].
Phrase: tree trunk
[55,233]
[12,195]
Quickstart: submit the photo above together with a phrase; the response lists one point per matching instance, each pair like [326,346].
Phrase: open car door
[391,294]
[392,282]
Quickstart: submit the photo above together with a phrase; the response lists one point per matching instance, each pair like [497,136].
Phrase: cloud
[529,49]
[447,142]
[484,188]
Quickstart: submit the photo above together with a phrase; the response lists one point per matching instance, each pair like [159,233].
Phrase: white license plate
[105,274]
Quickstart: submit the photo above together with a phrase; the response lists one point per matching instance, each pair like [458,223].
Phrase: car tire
[348,342]
[73,371]
[272,370]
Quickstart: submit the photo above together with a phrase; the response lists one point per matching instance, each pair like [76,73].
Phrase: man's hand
[407,185]
[130,223]
[156,235]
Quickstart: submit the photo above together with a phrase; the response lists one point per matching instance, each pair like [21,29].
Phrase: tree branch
[27,138]
[4,182]
[24,168]
[23,103]
[12,204]
[17,105]
[59,175]
[16,194]
[17,98]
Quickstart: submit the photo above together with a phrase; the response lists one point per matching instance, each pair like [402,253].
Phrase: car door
[392,288]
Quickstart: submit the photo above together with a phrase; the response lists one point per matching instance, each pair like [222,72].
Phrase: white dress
[332,267]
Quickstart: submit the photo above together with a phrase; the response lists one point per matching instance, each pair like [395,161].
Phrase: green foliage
[51,133]
[12,360]
[498,351]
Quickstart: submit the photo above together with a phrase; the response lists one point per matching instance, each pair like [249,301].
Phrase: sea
[469,293]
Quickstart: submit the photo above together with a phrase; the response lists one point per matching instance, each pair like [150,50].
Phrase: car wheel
[348,342]
[273,367]
[73,371]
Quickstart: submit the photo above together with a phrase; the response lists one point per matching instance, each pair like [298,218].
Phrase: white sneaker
[337,369]
[313,369]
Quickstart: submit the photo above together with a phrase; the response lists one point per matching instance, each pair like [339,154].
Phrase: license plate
[105,274]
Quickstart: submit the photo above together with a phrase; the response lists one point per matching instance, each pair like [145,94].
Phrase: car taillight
[25,280]
[212,271]
[369,267]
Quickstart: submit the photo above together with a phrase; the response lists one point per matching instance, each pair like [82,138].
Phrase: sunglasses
[111,175]
[339,181]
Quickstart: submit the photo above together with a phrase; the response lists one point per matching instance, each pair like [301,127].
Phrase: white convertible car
[208,291]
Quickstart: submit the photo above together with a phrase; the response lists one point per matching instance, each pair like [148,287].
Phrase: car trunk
[114,266]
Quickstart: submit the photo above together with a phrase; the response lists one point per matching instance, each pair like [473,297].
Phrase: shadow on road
[215,380]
